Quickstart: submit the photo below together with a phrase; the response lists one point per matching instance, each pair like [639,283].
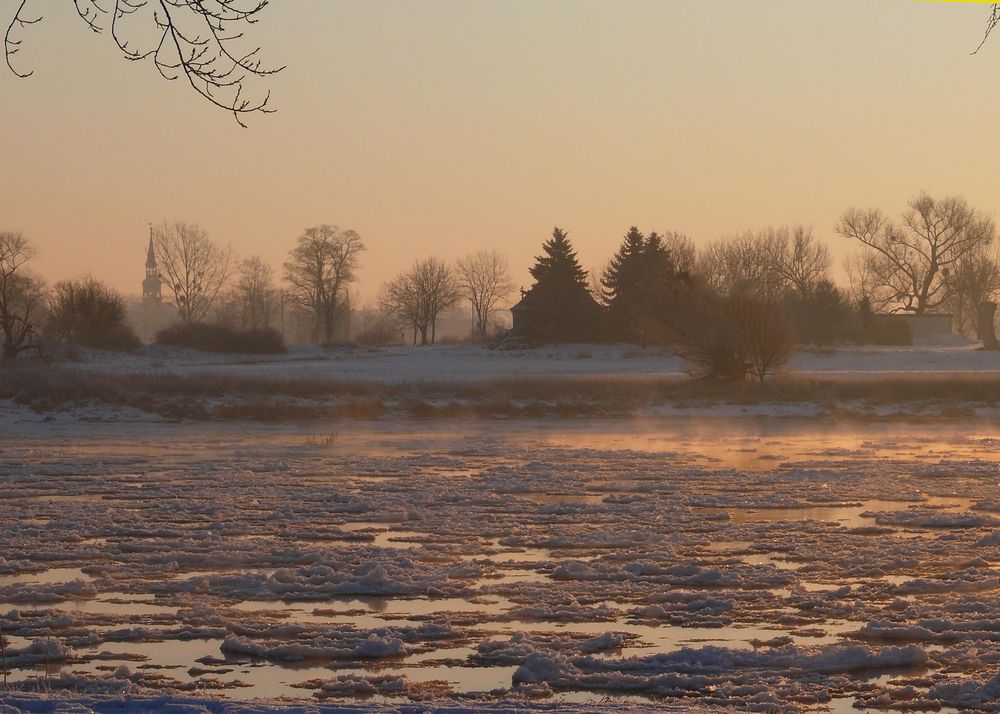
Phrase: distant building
[151,286]
[924,328]
[151,314]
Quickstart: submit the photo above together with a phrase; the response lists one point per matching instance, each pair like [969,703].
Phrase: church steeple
[151,255]
[151,289]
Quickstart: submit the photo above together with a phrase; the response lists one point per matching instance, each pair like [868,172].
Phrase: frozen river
[756,563]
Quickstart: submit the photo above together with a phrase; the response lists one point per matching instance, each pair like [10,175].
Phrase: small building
[924,327]
[517,314]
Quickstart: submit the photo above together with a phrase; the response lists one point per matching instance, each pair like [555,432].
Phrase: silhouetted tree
[485,281]
[318,271]
[973,279]
[256,296]
[640,285]
[683,254]
[730,338]
[771,262]
[559,307]
[87,312]
[199,40]
[909,260]
[801,261]
[661,285]
[741,263]
[418,296]
[623,284]
[22,297]
[194,269]
[821,317]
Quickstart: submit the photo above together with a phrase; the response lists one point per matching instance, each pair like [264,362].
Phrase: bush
[382,333]
[86,312]
[731,339]
[218,338]
[823,317]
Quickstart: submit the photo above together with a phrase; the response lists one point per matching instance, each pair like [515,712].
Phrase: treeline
[735,308]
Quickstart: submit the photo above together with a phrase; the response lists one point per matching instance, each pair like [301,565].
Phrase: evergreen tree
[659,285]
[622,283]
[559,265]
[558,307]
[641,287]
[622,276]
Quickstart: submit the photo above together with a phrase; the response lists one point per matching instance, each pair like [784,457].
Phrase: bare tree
[973,280]
[740,263]
[772,262]
[193,269]
[318,271]
[682,251]
[418,296]
[733,337]
[799,260]
[864,286]
[87,312]
[911,259]
[199,40]
[484,277]
[22,297]
[255,293]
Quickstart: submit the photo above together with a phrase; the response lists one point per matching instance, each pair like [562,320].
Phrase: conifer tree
[558,307]
[621,277]
[623,284]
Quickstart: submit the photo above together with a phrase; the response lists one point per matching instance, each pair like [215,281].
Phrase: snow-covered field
[768,565]
[476,363]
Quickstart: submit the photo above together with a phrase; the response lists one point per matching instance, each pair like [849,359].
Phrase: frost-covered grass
[289,396]
[182,563]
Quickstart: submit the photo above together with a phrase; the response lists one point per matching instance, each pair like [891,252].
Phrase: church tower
[151,283]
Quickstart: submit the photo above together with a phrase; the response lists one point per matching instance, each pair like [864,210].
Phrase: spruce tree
[621,277]
[559,264]
[558,307]
[662,286]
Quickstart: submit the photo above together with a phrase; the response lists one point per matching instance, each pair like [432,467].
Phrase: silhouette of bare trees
[201,41]
[87,312]
[318,271]
[775,261]
[908,263]
[22,297]
[485,281]
[255,294]
[193,269]
[418,296]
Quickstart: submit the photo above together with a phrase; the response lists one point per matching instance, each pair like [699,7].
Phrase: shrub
[731,339]
[218,338]
[86,312]
[823,317]
[381,333]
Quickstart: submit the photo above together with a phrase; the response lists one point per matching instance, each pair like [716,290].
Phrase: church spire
[151,254]
[151,289]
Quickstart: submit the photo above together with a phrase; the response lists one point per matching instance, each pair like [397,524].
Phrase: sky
[444,127]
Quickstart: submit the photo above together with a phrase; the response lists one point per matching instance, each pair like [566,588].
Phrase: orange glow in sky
[445,127]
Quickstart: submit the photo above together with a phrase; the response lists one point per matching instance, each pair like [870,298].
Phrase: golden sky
[448,126]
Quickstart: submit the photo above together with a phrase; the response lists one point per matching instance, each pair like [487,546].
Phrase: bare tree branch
[199,40]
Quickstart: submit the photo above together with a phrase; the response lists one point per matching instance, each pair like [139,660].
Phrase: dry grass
[220,396]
